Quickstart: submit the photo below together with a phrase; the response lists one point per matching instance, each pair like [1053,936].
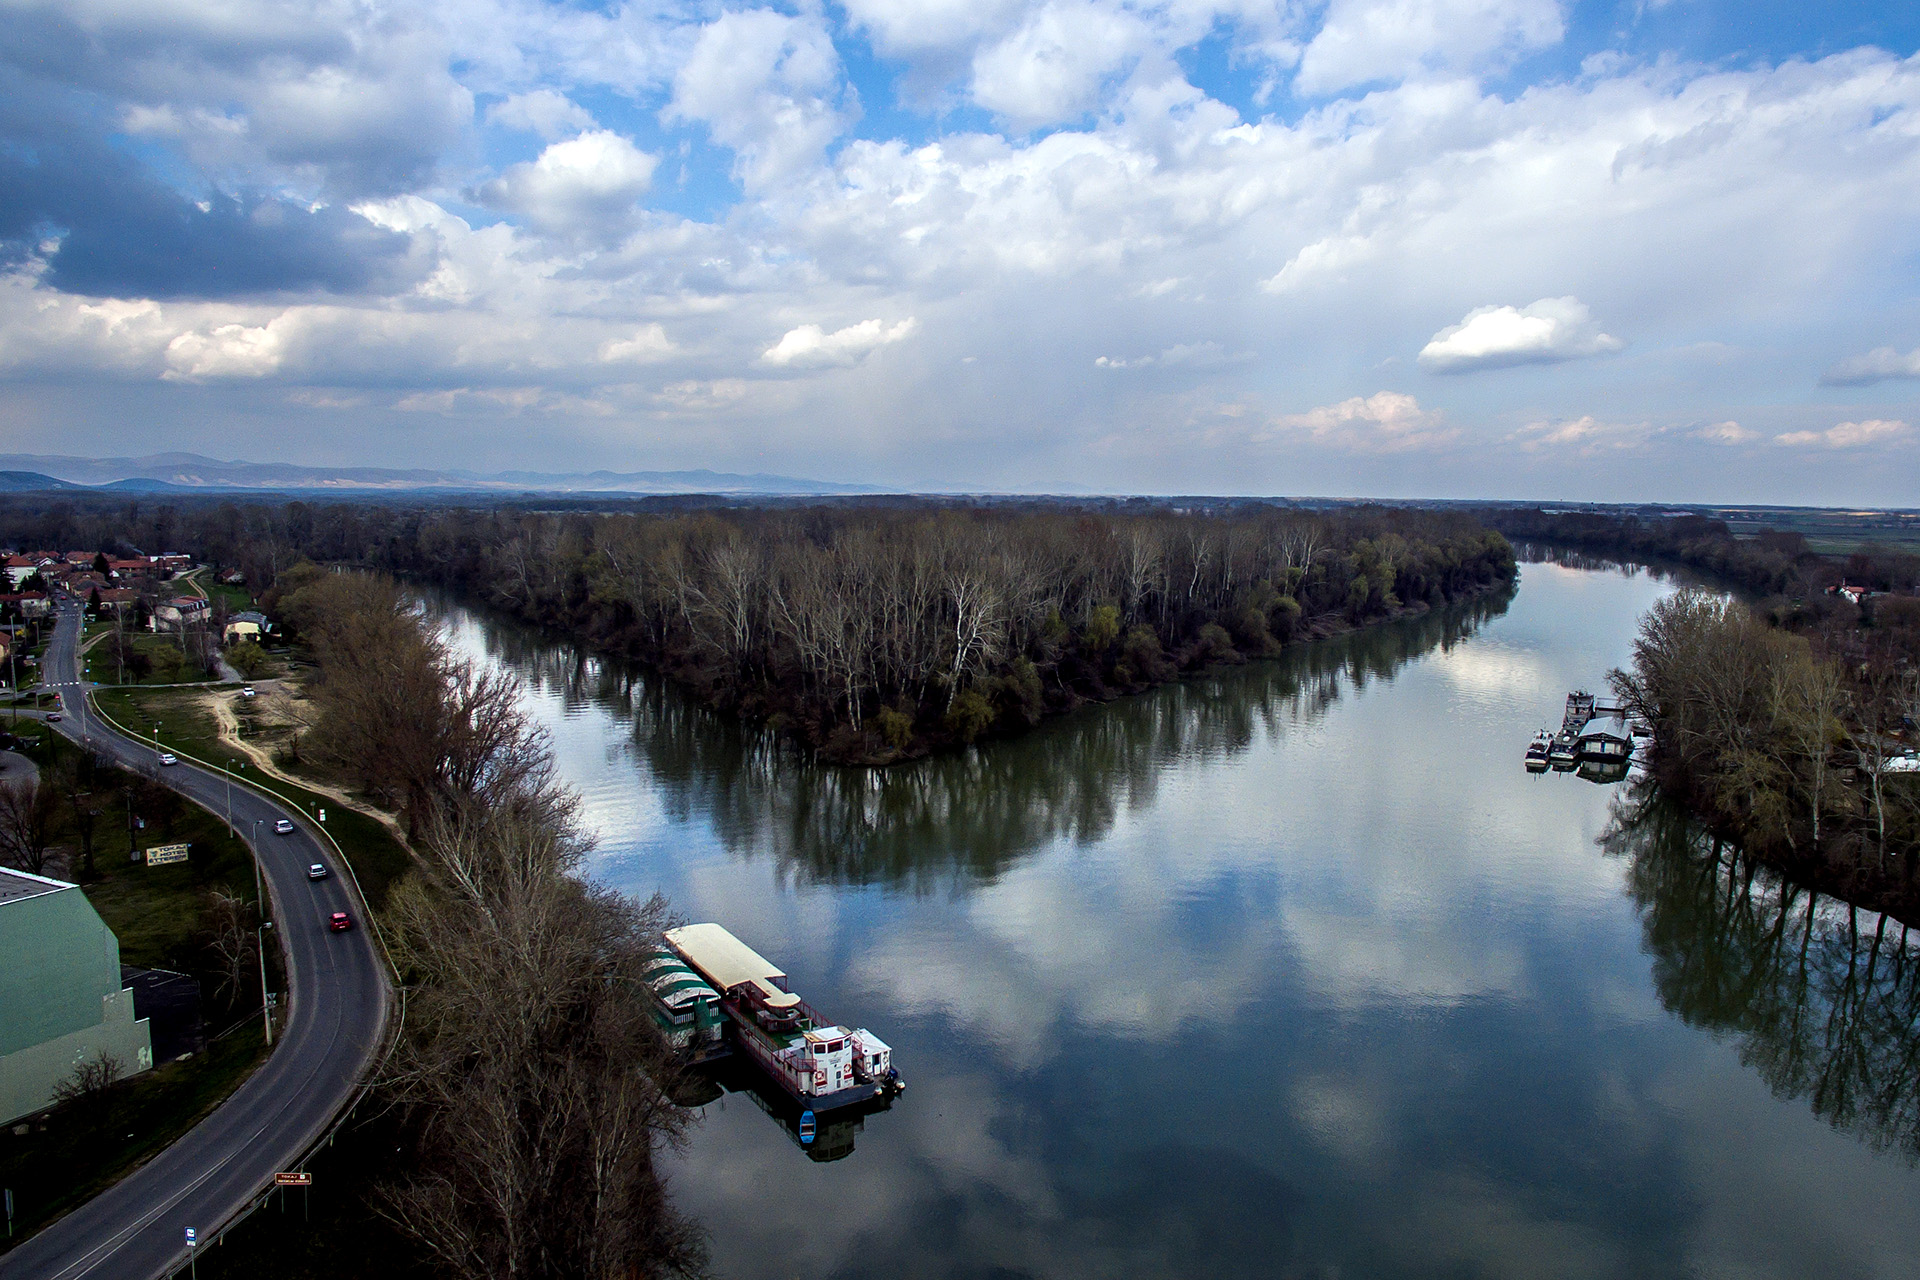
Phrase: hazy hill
[161,472]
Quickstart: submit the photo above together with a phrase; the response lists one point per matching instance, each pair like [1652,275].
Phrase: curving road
[333,1019]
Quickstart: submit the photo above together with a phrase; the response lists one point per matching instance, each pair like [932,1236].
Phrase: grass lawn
[155,911]
[70,1154]
[238,599]
[165,663]
[186,727]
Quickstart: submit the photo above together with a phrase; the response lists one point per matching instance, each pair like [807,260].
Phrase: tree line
[869,631]
[1787,742]
[880,634]
[531,1080]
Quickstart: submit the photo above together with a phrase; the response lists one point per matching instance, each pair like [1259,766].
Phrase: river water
[1291,971]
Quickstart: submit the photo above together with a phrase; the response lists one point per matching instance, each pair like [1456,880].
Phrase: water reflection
[1289,971]
[969,815]
[1823,997]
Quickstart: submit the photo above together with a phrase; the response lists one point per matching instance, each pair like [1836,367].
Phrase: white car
[167,757]
[318,871]
[283,827]
[246,691]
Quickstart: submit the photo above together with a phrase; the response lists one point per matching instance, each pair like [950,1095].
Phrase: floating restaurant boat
[820,1064]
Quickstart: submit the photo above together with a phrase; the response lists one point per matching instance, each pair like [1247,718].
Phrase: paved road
[333,1020]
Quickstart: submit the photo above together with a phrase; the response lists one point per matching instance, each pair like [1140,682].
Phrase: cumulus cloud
[1182,355]
[767,85]
[226,351]
[1728,433]
[906,27]
[648,344]
[1851,435]
[1548,331]
[1586,435]
[585,188]
[1742,203]
[548,113]
[1374,40]
[1879,365]
[811,347]
[1052,67]
[1384,422]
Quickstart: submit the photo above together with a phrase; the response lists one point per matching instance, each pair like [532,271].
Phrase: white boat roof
[775,998]
[721,958]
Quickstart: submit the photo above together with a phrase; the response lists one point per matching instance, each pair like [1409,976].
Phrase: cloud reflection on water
[1287,971]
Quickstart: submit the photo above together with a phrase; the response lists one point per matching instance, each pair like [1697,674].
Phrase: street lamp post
[266,1013]
[228,768]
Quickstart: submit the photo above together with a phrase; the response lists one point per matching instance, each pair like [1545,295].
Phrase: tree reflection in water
[1824,997]
[970,814]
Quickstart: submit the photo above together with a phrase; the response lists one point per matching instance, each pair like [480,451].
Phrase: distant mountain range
[186,472]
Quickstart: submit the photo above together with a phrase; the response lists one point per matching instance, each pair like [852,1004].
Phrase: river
[1289,971]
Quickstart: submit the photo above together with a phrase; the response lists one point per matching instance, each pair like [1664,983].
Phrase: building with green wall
[61,1001]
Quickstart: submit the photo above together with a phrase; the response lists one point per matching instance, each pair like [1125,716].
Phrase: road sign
[162,854]
[189,1237]
[298,1179]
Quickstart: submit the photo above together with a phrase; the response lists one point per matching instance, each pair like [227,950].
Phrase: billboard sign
[162,854]
[293,1179]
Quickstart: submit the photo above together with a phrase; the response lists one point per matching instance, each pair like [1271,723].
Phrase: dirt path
[220,705]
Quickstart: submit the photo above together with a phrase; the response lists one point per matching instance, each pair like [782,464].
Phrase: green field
[188,728]
[163,660]
[1830,532]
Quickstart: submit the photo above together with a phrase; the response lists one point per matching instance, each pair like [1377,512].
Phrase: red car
[339,921]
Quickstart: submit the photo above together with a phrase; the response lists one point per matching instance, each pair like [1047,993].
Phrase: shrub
[1025,697]
[969,716]
[1215,644]
[1141,654]
[895,726]
[1102,629]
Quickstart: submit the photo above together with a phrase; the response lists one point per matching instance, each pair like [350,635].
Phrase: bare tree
[230,925]
[26,823]
[90,1077]
[532,1071]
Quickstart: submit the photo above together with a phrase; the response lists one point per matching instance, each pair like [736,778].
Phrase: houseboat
[820,1064]
[1537,751]
[686,1008]
[1605,740]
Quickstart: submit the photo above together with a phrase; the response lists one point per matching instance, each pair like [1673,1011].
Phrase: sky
[1619,250]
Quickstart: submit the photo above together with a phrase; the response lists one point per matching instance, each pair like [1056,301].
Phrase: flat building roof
[723,959]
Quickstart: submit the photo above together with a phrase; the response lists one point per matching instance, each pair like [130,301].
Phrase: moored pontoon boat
[821,1064]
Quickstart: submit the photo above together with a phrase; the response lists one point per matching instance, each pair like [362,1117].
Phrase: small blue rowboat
[806,1126]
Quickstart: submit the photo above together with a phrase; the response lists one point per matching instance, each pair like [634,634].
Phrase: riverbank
[1779,747]
[878,636]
